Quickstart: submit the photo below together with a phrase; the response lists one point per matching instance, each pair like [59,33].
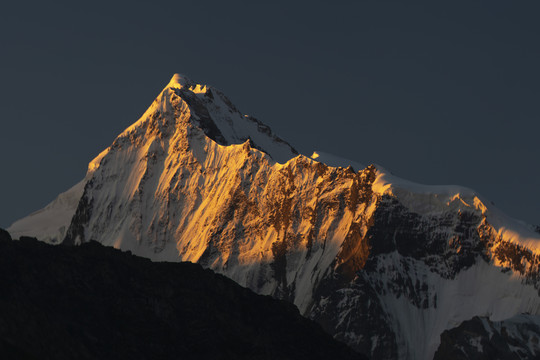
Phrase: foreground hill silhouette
[96,302]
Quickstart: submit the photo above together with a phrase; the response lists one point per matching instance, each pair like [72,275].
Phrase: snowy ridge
[335,161]
[426,199]
[371,257]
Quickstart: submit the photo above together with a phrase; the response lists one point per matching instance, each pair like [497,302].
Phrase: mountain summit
[383,264]
[183,106]
[179,80]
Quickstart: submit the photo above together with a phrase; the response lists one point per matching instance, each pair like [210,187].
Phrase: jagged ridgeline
[381,263]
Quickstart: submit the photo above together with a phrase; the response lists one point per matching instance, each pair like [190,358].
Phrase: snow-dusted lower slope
[50,223]
[383,264]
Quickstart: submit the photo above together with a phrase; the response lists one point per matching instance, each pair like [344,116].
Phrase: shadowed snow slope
[381,263]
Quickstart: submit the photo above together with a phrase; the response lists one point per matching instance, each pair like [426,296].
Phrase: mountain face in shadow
[96,302]
[482,339]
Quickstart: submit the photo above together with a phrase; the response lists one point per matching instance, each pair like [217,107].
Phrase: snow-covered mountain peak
[201,109]
[180,81]
[382,263]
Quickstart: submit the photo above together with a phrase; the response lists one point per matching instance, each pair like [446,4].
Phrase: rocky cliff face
[383,264]
[479,338]
[425,274]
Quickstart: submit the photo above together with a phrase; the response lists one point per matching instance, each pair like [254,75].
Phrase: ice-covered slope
[383,264]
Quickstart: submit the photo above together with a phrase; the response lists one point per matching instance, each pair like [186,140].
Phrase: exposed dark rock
[396,228]
[482,339]
[279,265]
[398,243]
[79,220]
[355,315]
[199,110]
[95,302]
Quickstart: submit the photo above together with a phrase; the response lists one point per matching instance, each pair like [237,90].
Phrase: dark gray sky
[436,93]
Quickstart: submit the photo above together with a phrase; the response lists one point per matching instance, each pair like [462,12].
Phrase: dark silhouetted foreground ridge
[95,302]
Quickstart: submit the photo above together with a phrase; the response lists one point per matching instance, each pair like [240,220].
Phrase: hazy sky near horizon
[437,93]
